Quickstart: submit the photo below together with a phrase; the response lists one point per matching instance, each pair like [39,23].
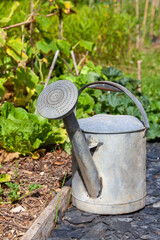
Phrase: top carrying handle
[115,87]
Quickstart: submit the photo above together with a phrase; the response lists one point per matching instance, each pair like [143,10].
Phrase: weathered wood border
[45,223]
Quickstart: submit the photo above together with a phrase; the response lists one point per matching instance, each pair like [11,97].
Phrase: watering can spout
[83,156]
[57,101]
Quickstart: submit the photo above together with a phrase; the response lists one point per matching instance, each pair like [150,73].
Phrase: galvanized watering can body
[120,160]
[109,157]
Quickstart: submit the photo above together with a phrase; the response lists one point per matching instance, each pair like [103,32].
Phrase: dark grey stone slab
[76,217]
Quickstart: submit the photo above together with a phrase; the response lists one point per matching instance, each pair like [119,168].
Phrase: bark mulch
[49,171]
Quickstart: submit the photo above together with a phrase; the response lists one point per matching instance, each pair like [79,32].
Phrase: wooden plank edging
[45,223]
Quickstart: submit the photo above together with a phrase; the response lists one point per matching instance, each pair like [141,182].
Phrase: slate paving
[143,224]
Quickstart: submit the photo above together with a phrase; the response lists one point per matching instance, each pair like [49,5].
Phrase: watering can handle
[115,87]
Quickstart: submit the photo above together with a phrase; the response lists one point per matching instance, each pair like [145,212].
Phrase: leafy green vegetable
[25,132]
[111,73]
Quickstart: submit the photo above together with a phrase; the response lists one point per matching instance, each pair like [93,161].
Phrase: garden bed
[49,171]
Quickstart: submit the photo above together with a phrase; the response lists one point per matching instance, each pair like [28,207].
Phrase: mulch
[49,171]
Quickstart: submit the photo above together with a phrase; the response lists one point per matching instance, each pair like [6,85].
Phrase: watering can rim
[111,124]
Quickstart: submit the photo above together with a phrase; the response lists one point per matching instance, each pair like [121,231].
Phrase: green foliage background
[104,29]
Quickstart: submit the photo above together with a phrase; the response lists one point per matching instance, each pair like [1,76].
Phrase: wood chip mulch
[49,171]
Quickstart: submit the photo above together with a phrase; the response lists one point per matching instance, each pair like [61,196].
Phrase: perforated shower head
[57,100]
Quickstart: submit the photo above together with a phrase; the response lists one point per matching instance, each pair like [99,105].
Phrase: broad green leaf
[13,54]
[27,75]
[132,111]
[5,178]
[86,44]
[86,102]
[6,109]
[155,105]
[154,118]
[46,46]
[111,73]
[37,143]
[44,22]
[64,47]
[154,131]
[113,100]
[3,36]
[93,77]
[16,45]
[2,88]
[60,135]
[97,108]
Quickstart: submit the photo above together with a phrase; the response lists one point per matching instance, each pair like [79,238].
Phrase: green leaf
[46,46]
[86,102]
[13,186]
[3,36]
[93,77]
[28,76]
[155,105]
[154,131]
[16,45]
[6,108]
[37,143]
[113,100]
[111,73]
[13,196]
[97,108]
[44,22]
[13,54]
[2,88]
[64,47]
[33,187]
[5,178]
[25,132]
[154,118]
[67,146]
[86,45]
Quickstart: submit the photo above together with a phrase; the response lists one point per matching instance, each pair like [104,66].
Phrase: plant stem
[83,62]
[26,22]
[137,26]
[68,66]
[52,67]
[31,34]
[139,74]
[74,62]
[144,21]
[153,7]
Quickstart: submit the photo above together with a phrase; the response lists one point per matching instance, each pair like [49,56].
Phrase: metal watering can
[108,151]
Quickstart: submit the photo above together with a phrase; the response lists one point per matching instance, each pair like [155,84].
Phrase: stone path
[144,224]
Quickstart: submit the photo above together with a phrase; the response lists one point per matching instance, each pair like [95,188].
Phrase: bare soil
[49,171]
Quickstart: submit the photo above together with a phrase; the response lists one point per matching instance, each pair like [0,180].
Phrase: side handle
[115,87]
